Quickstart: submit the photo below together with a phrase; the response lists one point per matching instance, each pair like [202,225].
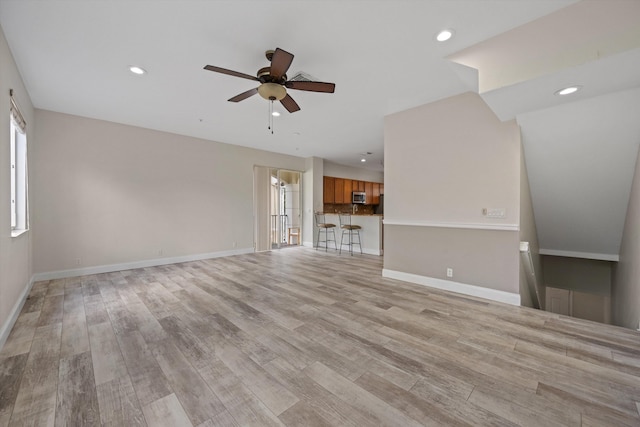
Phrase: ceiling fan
[273,81]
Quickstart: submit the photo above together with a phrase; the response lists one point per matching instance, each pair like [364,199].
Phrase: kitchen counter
[370,234]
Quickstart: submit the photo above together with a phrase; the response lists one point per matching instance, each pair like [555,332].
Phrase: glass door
[286,213]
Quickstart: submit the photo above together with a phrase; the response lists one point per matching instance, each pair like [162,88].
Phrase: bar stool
[351,230]
[323,225]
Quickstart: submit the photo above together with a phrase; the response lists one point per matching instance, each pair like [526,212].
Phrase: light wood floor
[303,338]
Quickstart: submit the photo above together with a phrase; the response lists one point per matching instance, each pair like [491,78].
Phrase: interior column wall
[312,192]
[625,291]
[444,163]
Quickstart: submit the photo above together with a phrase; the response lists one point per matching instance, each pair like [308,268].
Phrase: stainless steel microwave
[359,197]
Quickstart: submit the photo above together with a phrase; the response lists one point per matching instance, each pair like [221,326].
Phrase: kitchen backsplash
[342,208]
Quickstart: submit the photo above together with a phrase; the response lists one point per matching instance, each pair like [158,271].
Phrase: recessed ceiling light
[275,114]
[444,35]
[568,90]
[137,70]
[363,160]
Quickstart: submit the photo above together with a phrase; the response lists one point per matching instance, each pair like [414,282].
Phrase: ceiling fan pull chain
[271,116]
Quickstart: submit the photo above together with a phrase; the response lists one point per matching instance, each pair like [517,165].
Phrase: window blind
[16,114]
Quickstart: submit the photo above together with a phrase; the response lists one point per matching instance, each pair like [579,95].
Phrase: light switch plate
[494,212]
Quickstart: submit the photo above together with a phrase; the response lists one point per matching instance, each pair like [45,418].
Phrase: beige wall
[529,233]
[444,163]
[579,274]
[341,171]
[15,253]
[483,258]
[591,307]
[108,193]
[625,292]
[447,160]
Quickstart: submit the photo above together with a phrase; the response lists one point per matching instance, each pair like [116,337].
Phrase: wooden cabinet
[339,191]
[376,193]
[368,189]
[329,189]
[348,188]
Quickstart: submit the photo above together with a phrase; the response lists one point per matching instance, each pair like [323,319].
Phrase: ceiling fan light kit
[272,91]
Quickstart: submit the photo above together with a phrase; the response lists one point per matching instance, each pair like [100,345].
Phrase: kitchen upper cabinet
[368,189]
[329,192]
[376,193]
[339,191]
[348,185]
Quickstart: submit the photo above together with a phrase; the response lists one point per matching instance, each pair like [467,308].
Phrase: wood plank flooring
[303,338]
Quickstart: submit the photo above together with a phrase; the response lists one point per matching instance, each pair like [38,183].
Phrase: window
[18,154]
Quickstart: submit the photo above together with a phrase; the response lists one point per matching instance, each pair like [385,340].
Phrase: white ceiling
[382,56]
[74,58]
[580,159]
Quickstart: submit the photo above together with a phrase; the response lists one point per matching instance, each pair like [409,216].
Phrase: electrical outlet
[234,244]
[78,261]
[449,272]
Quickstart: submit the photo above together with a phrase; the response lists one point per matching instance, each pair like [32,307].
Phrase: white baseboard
[15,312]
[461,288]
[61,274]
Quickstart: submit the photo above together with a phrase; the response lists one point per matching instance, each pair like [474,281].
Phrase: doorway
[277,208]
[285,208]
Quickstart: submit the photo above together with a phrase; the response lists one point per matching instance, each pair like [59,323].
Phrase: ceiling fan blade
[290,104]
[229,72]
[280,63]
[244,95]
[312,86]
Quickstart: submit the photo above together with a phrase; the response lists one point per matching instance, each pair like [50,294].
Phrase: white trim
[15,312]
[61,274]
[18,232]
[461,288]
[575,254]
[465,225]
[524,247]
